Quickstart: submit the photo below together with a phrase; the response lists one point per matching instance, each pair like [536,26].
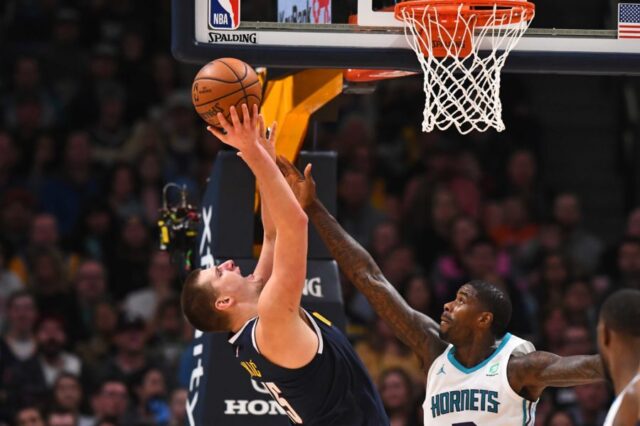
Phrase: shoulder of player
[628,411]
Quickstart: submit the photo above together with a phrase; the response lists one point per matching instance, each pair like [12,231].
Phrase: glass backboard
[565,37]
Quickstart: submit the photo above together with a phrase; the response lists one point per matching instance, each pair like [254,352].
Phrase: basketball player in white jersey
[619,346]
[477,374]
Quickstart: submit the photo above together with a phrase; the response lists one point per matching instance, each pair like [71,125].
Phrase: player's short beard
[442,335]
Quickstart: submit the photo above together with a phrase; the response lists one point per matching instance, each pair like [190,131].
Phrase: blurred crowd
[95,116]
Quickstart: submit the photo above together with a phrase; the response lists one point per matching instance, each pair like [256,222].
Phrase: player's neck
[475,351]
[241,316]
[629,365]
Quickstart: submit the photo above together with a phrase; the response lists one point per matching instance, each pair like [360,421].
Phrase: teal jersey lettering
[464,400]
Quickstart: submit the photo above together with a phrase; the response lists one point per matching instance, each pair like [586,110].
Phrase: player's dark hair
[496,301]
[197,304]
[621,312]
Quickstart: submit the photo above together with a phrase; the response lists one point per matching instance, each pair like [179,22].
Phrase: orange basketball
[221,84]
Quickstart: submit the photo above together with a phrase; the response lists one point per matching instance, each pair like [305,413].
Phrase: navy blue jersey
[333,389]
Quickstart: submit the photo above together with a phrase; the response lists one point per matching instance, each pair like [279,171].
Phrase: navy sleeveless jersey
[333,389]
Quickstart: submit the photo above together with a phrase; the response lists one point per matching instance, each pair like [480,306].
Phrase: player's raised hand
[302,185]
[242,135]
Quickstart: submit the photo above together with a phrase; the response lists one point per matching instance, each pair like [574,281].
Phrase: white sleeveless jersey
[613,411]
[477,396]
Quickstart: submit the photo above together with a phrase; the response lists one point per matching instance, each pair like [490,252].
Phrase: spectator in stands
[44,162]
[76,183]
[29,416]
[128,271]
[9,161]
[419,294]
[355,212]
[450,266]
[591,405]
[64,60]
[167,339]
[130,357]
[181,133]
[93,237]
[28,84]
[151,393]
[531,254]
[522,181]
[123,191]
[553,324]
[43,237]
[385,237]
[111,401]
[579,303]
[178,403]
[18,341]
[517,228]
[481,263]
[582,247]
[102,78]
[16,213]
[397,393]
[382,350]
[628,264]
[399,266]
[67,395]
[90,288]
[559,418]
[161,278]
[59,417]
[428,221]
[577,340]
[9,284]
[633,224]
[99,345]
[49,282]
[53,360]
[151,183]
[555,275]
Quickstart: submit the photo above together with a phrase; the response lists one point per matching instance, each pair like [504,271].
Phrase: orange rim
[483,10]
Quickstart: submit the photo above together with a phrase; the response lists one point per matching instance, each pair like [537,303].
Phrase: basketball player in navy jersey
[619,346]
[306,364]
[477,373]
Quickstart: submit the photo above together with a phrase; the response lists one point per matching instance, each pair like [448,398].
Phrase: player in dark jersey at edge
[477,373]
[307,365]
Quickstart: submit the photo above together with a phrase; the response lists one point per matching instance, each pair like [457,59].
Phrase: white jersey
[613,411]
[480,395]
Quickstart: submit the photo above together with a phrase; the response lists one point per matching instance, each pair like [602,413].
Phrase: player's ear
[604,335]
[485,320]
[223,303]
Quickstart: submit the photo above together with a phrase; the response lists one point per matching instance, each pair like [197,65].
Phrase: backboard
[365,34]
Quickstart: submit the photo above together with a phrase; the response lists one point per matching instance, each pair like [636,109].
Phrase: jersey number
[275,392]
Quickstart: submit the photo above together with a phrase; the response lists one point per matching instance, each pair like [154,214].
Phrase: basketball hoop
[462,46]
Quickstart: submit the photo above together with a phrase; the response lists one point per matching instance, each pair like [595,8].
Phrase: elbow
[300,220]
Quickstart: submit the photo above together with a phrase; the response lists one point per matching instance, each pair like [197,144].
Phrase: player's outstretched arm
[264,266]
[280,323]
[415,329]
[530,374]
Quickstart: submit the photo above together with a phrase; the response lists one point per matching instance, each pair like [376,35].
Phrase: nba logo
[224,14]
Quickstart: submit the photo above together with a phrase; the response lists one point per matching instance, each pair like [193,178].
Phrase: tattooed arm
[415,329]
[530,374]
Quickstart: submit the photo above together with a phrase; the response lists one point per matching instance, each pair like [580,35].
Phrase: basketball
[221,84]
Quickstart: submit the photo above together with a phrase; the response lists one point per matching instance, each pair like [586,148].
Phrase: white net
[463,88]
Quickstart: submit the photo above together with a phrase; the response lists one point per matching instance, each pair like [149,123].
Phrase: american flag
[629,20]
